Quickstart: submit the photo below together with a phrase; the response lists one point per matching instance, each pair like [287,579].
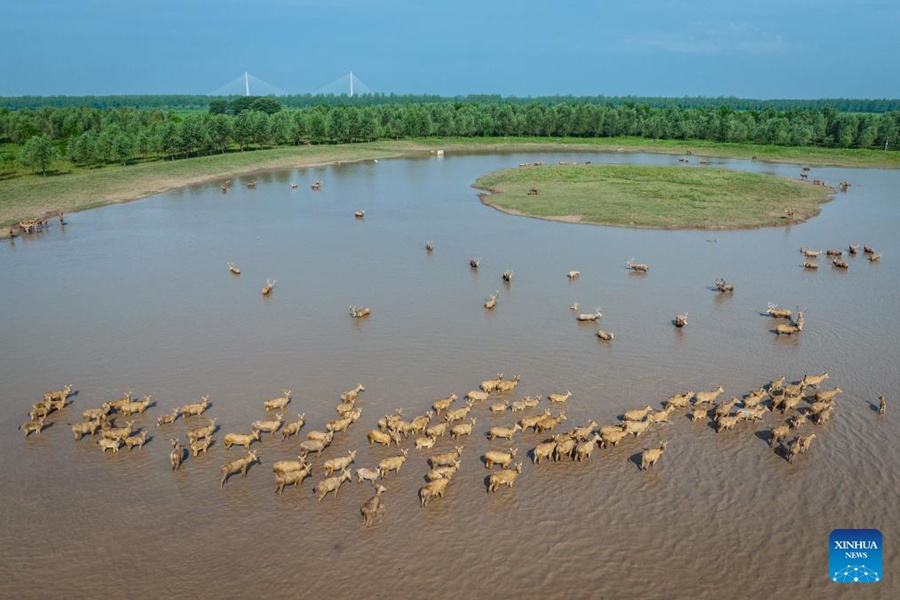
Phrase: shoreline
[47,197]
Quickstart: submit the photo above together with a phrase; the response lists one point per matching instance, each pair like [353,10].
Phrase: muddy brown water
[138,297]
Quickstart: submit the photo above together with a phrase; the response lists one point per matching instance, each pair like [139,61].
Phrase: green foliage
[125,133]
[37,153]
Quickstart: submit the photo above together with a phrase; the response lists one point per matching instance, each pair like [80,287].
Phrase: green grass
[652,196]
[24,196]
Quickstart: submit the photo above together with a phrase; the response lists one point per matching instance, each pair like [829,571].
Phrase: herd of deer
[802,404]
[835,255]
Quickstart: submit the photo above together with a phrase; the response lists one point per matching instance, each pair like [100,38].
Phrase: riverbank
[656,197]
[82,189]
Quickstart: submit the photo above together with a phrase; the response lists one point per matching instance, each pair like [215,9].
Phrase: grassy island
[659,197]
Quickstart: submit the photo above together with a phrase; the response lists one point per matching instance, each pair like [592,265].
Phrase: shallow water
[137,297]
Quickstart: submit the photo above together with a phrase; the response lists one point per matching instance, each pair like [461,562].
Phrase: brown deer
[270,285]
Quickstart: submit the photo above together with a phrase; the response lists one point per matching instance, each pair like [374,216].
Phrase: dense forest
[188,103]
[84,136]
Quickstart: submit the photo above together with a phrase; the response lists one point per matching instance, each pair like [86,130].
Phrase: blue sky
[752,49]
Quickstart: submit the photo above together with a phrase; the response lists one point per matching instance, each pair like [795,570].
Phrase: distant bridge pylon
[246,84]
[347,85]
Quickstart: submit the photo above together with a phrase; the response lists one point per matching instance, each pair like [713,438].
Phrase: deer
[294,427]
[809,253]
[350,395]
[269,426]
[241,439]
[358,312]
[418,424]
[679,400]
[506,433]
[373,506]
[110,444]
[168,418]
[814,380]
[589,316]
[239,466]
[139,407]
[834,253]
[446,459]
[433,489]
[840,264]
[57,395]
[573,275]
[176,456]
[118,403]
[360,214]
[882,405]
[340,463]
[392,463]
[202,432]
[490,385]
[778,313]
[429,247]
[197,408]
[294,477]
[791,329]
[198,446]
[606,336]
[443,403]
[723,287]
[875,257]
[853,248]
[474,262]
[233,269]
[681,320]
[35,425]
[504,477]
[559,398]
[508,385]
[316,186]
[111,433]
[270,285]
[639,267]
[457,430]
[84,428]
[507,276]
[707,397]
[278,403]
[649,457]
[94,414]
[811,265]
[491,302]
[315,445]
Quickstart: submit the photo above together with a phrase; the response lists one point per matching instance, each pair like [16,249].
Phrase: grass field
[29,196]
[662,197]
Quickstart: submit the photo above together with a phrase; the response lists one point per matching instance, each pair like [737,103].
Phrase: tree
[37,153]
[122,147]
[83,149]
[265,104]
[220,131]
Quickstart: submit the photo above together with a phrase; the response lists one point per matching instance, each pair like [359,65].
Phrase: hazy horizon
[804,49]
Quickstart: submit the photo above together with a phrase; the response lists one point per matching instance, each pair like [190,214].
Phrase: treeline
[88,136]
[188,102]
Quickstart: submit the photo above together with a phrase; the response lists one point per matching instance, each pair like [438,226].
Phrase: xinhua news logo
[854,556]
